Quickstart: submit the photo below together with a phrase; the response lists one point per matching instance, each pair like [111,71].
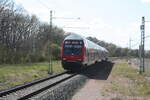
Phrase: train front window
[73,48]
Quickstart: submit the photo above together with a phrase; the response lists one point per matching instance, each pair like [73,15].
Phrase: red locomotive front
[72,54]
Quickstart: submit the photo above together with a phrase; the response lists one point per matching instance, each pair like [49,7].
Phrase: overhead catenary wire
[77,27]
[65,18]
[137,43]
[43,4]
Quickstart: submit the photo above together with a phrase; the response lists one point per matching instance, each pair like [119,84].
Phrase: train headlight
[64,58]
[79,60]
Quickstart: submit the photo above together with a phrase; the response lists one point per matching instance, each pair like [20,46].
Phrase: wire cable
[43,4]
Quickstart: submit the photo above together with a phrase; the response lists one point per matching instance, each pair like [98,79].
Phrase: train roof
[74,36]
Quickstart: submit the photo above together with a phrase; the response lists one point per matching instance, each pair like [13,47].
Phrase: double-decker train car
[78,52]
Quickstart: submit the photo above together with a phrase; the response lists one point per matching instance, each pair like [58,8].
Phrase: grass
[126,81]
[116,98]
[11,75]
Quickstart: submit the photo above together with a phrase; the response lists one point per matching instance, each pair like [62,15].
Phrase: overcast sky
[114,21]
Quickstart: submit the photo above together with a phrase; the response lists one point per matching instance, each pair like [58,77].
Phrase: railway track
[31,89]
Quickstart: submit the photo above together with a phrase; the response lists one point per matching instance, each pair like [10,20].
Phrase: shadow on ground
[98,71]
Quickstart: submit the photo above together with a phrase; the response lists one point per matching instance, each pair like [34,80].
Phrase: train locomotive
[78,52]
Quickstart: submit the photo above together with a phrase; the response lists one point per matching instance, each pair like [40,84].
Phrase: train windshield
[73,47]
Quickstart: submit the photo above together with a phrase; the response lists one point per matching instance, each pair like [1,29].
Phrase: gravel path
[98,76]
[91,91]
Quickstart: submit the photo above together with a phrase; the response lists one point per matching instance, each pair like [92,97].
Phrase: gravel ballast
[63,91]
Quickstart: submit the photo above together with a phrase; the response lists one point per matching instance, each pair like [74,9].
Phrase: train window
[73,42]
[77,46]
[68,46]
[73,48]
[67,42]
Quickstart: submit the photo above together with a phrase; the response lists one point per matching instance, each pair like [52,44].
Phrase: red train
[78,52]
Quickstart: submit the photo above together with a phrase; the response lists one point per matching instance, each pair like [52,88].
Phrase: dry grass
[126,83]
[11,75]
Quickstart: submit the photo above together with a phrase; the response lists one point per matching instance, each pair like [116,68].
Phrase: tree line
[23,38]
[116,51]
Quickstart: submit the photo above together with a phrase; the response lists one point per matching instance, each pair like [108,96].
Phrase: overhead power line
[77,27]
[66,18]
[43,4]
[136,44]
[147,36]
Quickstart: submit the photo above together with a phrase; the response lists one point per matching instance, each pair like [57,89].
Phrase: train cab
[72,53]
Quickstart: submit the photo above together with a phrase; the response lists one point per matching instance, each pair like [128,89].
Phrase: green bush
[55,51]
[10,56]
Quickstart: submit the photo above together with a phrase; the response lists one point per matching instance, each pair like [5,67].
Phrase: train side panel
[93,53]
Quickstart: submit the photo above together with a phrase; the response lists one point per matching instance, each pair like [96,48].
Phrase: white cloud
[145,0]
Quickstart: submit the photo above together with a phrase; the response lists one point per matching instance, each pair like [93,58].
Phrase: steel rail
[29,84]
[45,88]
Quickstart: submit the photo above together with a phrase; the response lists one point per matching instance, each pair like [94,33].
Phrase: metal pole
[143,31]
[140,56]
[129,51]
[130,43]
[51,17]
[142,51]
[50,70]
